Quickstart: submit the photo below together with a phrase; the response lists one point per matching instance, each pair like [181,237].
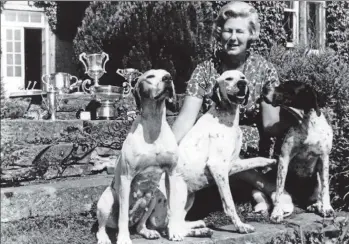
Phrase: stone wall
[39,149]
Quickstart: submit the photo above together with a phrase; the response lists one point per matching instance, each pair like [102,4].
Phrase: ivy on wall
[337,29]
[50,9]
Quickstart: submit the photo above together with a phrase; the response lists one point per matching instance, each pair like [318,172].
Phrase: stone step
[60,198]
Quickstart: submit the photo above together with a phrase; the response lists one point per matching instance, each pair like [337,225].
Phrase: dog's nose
[167,78]
[241,83]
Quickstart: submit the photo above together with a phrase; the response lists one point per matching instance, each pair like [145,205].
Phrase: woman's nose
[233,36]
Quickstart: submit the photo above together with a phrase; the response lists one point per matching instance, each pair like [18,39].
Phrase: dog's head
[293,94]
[231,88]
[155,84]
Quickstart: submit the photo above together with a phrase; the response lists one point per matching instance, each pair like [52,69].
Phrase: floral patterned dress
[258,72]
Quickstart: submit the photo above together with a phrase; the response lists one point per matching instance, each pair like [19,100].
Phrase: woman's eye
[227,31]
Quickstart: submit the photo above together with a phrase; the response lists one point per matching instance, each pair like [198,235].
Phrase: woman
[236,27]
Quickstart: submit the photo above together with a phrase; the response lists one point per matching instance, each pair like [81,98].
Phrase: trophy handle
[105,60]
[126,89]
[82,58]
[43,79]
[84,88]
[76,84]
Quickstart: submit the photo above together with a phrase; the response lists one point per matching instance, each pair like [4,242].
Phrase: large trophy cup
[94,66]
[105,95]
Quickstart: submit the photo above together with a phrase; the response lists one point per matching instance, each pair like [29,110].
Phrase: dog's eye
[150,76]
[229,79]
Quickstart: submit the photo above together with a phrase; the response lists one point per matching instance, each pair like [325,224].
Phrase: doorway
[32,57]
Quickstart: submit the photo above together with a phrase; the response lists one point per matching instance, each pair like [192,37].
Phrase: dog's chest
[312,142]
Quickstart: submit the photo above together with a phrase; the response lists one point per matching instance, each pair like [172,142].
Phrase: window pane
[23,17]
[35,17]
[9,47]
[18,71]
[9,70]
[17,59]
[10,16]
[313,24]
[17,47]
[9,35]
[288,25]
[288,4]
[9,58]
[17,35]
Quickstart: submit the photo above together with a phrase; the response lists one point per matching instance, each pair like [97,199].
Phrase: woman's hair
[237,9]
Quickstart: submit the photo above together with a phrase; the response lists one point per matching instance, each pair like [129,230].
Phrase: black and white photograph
[159,122]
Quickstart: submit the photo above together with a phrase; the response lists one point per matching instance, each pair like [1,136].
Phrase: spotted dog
[149,150]
[306,146]
[209,153]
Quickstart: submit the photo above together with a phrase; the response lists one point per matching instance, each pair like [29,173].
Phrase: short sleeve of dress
[193,86]
[271,77]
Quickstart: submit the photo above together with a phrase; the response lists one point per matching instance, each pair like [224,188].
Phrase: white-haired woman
[236,27]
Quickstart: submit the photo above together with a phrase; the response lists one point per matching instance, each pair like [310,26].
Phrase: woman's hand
[187,116]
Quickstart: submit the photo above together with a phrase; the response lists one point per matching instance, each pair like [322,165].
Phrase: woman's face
[235,36]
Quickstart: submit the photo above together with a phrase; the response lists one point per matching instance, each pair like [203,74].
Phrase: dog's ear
[173,97]
[220,92]
[171,102]
[216,97]
[136,93]
[315,101]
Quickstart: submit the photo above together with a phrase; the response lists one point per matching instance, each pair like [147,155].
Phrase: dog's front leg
[220,175]
[124,195]
[323,203]
[177,192]
[141,226]
[284,159]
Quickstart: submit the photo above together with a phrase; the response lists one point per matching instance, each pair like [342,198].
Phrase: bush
[143,35]
[170,35]
[337,34]
[329,75]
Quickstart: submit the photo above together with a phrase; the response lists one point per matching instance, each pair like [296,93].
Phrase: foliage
[135,34]
[329,75]
[337,34]
[12,109]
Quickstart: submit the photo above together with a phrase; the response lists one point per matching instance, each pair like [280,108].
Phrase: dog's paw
[123,239]
[103,238]
[149,234]
[324,210]
[285,203]
[262,201]
[245,228]
[176,233]
[277,215]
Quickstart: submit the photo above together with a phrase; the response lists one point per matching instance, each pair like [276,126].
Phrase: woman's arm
[187,116]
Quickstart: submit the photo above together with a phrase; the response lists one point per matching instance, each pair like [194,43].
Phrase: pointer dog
[149,150]
[209,153]
[306,146]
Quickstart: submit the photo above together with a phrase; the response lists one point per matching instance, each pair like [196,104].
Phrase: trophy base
[105,118]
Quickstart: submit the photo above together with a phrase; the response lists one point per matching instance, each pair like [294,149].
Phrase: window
[14,52]
[315,24]
[304,23]
[290,22]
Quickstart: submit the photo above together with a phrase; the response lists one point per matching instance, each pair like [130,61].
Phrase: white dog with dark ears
[149,150]
[209,153]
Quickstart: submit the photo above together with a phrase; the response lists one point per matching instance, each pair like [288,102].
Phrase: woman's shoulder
[259,60]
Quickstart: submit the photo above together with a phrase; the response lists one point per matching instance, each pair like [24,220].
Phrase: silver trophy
[56,85]
[60,82]
[94,66]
